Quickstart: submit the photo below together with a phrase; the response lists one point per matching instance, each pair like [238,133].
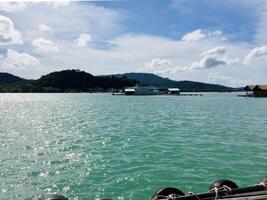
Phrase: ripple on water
[100,146]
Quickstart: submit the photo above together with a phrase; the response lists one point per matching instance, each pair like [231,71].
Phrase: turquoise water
[91,146]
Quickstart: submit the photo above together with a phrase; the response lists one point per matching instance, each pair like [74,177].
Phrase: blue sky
[222,41]
[174,18]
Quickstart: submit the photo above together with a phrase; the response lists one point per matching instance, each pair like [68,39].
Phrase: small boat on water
[221,189]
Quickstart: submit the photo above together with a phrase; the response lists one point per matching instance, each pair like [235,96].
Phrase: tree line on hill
[64,81]
[148,79]
[80,81]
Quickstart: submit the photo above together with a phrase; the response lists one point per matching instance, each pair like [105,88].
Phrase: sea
[96,146]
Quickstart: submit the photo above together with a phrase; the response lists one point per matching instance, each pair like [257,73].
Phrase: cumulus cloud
[209,59]
[163,66]
[15,59]
[8,34]
[158,63]
[207,62]
[44,28]
[127,51]
[213,58]
[215,51]
[83,40]
[44,45]
[12,6]
[100,21]
[194,36]
[200,34]
[255,54]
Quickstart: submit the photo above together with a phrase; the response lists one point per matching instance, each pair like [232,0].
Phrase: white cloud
[217,51]
[19,5]
[59,2]
[146,53]
[216,33]
[163,66]
[12,6]
[54,3]
[45,46]
[171,58]
[232,61]
[213,58]
[126,52]
[173,70]
[44,28]
[209,59]
[15,59]
[101,22]
[216,78]
[83,40]
[8,34]
[207,62]
[255,54]
[194,36]
[158,63]
[200,34]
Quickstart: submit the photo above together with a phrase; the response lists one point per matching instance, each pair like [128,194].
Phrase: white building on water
[174,91]
[141,91]
[151,91]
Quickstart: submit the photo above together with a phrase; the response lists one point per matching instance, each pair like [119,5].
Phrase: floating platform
[118,93]
[191,94]
[245,95]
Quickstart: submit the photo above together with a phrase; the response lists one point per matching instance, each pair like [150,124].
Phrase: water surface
[91,146]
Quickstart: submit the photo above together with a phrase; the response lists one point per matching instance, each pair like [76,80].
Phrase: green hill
[6,78]
[69,81]
[80,81]
[147,79]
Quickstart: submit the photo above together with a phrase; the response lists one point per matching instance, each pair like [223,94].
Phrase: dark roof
[249,87]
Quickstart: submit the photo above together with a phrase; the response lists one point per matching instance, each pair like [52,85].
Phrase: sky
[222,41]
